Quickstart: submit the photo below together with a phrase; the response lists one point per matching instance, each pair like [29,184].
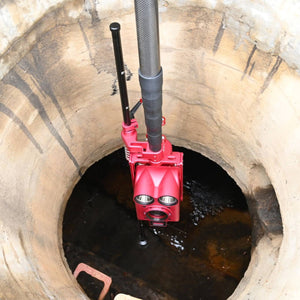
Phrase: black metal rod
[142,242]
[115,32]
[135,108]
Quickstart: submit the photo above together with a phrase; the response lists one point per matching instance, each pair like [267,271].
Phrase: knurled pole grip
[150,72]
[115,32]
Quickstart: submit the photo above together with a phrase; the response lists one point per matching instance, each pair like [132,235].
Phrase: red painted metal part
[155,174]
[96,274]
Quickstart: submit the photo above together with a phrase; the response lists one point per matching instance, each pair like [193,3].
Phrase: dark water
[204,256]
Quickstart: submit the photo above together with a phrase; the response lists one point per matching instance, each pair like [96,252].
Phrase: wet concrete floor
[204,256]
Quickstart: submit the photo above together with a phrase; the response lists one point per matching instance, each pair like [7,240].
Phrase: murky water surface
[204,256]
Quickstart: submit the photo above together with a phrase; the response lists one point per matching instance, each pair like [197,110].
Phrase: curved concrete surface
[230,92]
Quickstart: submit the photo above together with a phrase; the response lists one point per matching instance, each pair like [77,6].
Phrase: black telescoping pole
[115,32]
[150,72]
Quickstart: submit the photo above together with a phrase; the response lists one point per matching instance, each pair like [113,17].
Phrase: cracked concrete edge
[271,25]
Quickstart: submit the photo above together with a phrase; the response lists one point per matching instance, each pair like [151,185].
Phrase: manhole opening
[204,256]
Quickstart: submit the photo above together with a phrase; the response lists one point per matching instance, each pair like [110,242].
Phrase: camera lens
[143,199]
[156,215]
[167,200]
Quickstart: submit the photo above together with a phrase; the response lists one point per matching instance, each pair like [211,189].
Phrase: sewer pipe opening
[203,256]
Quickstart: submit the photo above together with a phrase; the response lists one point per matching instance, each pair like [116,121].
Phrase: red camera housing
[157,178]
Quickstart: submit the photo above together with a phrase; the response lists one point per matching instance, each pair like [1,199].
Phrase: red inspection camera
[156,171]
[157,178]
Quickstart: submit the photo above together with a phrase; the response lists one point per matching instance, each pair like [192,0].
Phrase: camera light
[167,200]
[143,199]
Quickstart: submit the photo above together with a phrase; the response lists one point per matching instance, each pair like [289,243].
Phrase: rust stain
[251,69]
[271,74]
[9,113]
[219,36]
[37,71]
[15,80]
[248,62]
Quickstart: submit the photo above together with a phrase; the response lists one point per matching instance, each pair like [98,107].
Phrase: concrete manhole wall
[230,92]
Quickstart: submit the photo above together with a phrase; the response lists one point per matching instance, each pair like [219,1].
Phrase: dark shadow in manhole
[204,256]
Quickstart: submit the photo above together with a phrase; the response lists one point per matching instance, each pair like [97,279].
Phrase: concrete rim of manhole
[236,104]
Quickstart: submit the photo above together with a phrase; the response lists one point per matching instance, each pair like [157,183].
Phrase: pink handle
[96,274]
